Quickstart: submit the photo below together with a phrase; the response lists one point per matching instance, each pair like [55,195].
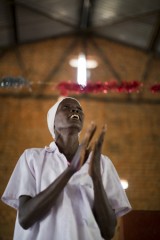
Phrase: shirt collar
[51,148]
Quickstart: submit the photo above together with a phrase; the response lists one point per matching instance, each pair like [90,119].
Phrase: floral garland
[155,88]
[97,87]
[104,87]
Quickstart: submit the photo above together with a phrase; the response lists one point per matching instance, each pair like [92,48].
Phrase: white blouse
[71,217]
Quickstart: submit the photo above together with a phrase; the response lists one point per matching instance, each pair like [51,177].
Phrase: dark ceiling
[131,22]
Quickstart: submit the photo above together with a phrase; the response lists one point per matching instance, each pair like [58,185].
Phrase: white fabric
[71,218]
[52,113]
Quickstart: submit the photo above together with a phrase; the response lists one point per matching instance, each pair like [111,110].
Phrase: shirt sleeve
[21,182]
[116,194]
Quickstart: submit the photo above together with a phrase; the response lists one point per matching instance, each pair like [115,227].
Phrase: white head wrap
[52,113]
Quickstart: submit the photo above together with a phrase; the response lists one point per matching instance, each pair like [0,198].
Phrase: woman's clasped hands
[86,147]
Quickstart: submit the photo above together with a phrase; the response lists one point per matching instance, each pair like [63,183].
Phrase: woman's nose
[74,110]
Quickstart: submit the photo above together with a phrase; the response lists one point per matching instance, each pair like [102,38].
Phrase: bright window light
[90,63]
[124,183]
[82,70]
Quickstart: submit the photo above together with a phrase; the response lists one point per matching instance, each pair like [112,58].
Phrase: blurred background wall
[38,39]
[133,137]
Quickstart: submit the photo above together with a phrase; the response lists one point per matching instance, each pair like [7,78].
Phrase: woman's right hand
[84,149]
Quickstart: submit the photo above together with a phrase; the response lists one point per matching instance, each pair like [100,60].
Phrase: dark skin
[67,129]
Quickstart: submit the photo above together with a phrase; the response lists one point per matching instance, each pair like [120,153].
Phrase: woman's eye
[80,109]
[65,107]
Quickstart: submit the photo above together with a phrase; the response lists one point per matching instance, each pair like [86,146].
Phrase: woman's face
[69,117]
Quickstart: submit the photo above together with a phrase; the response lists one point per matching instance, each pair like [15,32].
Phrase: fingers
[85,148]
[92,130]
[89,135]
[99,142]
[85,145]
[101,137]
[95,160]
[90,170]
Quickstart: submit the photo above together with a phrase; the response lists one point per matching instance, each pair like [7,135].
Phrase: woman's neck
[68,146]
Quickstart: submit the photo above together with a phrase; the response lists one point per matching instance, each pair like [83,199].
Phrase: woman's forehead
[69,101]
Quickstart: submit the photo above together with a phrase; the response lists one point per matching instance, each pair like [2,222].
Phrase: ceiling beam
[125,19]
[155,35]
[45,14]
[56,68]
[84,15]
[14,18]
[104,57]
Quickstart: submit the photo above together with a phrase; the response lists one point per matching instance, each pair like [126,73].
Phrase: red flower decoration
[155,88]
[99,87]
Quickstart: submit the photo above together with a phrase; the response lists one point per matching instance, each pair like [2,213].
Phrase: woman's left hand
[95,169]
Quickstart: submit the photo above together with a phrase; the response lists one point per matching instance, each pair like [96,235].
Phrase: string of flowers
[67,87]
[155,88]
[105,87]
